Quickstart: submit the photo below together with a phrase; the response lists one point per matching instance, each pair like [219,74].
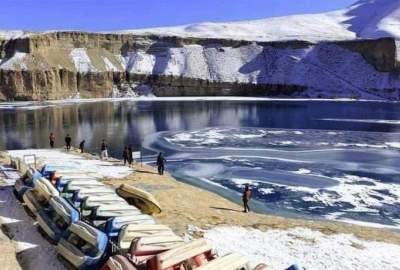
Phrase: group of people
[128,159]
[68,142]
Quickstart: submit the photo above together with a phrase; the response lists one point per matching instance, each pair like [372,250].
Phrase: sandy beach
[191,211]
[185,205]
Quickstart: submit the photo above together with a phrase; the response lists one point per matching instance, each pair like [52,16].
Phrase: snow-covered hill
[364,19]
[60,64]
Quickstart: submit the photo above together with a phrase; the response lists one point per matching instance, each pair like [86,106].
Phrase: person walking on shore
[130,156]
[104,152]
[82,146]
[68,142]
[52,140]
[246,198]
[160,163]
[125,155]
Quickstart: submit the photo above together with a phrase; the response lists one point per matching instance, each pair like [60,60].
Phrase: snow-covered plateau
[349,53]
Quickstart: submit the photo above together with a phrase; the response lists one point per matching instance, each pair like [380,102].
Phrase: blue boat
[83,246]
[26,182]
[57,217]
[39,196]
[101,214]
[80,195]
[113,226]
[65,179]
[50,168]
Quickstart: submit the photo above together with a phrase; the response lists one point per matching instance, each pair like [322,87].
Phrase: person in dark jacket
[82,145]
[52,139]
[125,155]
[160,163]
[68,141]
[130,157]
[246,198]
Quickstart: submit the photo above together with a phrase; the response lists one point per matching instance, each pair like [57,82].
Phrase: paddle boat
[231,261]
[101,214]
[144,248]
[75,186]
[48,169]
[91,202]
[194,253]
[33,201]
[113,226]
[132,231]
[80,195]
[65,179]
[45,188]
[39,196]
[118,262]
[139,198]
[26,182]
[83,246]
[57,217]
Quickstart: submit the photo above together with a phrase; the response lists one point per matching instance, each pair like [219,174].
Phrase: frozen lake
[320,159]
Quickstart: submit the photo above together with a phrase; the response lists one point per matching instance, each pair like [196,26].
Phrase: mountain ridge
[365,19]
[63,64]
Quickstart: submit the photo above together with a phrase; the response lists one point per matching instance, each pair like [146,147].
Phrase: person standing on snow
[130,155]
[125,155]
[82,146]
[104,152]
[246,198]
[52,140]
[160,163]
[68,142]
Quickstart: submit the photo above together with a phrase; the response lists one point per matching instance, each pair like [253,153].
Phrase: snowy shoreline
[62,102]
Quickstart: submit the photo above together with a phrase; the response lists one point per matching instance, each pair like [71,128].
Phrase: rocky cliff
[61,65]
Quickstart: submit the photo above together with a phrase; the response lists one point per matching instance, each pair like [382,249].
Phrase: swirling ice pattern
[345,175]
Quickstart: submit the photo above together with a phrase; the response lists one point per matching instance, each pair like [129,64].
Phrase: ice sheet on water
[345,175]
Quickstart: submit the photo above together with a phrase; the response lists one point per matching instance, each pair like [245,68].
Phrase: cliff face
[64,64]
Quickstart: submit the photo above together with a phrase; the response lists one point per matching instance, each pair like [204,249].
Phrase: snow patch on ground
[93,167]
[81,60]
[13,34]
[311,249]
[15,62]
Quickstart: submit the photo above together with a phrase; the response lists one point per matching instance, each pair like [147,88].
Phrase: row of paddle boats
[91,224]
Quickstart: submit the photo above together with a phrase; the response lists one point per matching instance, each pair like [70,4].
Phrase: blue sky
[97,15]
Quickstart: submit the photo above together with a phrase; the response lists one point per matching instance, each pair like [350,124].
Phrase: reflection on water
[130,122]
[315,158]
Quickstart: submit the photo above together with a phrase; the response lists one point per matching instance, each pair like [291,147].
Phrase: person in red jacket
[246,198]
[52,139]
